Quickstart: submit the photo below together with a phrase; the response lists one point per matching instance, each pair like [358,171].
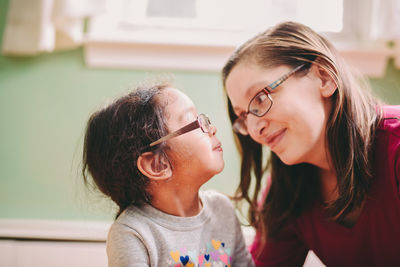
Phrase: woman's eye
[260,98]
[254,110]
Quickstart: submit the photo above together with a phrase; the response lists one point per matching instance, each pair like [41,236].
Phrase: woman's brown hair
[349,132]
[115,138]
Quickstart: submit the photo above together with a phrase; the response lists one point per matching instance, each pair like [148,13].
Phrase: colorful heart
[216,244]
[223,244]
[185,259]
[224,258]
[175,255]
[201,258]
[214,255]
[207,257]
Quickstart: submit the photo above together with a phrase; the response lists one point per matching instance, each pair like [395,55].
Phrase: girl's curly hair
[114,139]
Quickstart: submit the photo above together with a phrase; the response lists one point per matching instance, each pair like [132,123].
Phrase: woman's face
[194,154]
[294,127]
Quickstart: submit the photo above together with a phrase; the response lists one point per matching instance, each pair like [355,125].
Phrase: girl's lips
[274,138]
[218,147]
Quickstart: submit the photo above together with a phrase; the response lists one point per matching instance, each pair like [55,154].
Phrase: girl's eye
[190,117]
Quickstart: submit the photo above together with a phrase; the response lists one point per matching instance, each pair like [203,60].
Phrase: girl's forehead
[175,96]
[177,104]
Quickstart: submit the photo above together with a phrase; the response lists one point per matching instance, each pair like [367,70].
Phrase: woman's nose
[256,125]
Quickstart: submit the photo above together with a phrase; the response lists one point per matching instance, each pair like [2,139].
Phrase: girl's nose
[213,130]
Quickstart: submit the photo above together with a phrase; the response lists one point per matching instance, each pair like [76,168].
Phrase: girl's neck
[183,201]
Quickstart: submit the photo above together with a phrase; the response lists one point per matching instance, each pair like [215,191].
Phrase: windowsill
[94,231]
[200,51]
[161,49]
[141,55]
[54,230]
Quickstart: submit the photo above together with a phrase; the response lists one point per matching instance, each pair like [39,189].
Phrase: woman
[334,165]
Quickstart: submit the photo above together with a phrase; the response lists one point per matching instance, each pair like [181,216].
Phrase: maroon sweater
[374,240]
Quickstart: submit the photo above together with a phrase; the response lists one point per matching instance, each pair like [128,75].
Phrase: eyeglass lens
[260,104]
[204,123]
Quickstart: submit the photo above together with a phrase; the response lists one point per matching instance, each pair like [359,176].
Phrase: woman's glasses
[260,104]
[202,122]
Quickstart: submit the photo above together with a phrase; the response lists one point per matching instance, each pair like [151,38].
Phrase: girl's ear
[328,85]
[154,166]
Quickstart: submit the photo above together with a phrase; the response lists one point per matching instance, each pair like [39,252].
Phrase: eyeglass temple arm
[185,129]
[275,84]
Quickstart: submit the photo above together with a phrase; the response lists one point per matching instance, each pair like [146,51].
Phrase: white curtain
[35,26]
[385,19]
[385,24]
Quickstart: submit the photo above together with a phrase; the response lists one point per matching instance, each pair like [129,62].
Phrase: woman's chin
[288,160]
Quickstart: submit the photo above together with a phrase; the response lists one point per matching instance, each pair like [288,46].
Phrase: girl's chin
[220,168]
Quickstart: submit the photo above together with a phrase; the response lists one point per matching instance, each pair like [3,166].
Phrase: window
[201,34]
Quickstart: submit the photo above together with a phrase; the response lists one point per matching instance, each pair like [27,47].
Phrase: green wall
[44,104]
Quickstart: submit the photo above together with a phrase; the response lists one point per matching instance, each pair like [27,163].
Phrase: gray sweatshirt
[149,237]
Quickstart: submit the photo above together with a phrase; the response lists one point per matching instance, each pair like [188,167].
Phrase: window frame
[208,50]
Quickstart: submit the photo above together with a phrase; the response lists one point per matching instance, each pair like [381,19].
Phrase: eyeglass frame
[185,129]
[267,90]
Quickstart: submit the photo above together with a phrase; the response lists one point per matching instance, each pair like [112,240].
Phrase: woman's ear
[328,85]
[154,165]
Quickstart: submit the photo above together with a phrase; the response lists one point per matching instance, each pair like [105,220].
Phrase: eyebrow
[258,85]
[186,111]
[248,94]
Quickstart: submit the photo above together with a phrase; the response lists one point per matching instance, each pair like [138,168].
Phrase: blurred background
[62,59]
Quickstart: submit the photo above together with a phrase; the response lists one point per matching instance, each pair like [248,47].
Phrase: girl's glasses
[260,104]
[202,122]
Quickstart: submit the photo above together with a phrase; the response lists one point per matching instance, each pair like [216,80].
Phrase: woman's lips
[273,139]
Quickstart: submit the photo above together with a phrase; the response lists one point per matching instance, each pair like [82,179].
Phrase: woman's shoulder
[388,132]
[390,110]
[390,119]
[387,145]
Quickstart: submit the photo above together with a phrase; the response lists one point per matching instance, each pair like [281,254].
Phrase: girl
[335,152]
[150,152]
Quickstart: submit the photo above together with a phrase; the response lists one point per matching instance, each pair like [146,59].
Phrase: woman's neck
[329,189]
[183,201]
[330,192]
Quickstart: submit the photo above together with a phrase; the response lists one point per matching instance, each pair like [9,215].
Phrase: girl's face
[294,127]
[193,154]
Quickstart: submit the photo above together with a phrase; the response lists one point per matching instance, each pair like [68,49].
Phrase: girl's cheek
[182,152]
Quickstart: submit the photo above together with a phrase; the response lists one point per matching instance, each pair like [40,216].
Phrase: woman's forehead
[245,79]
